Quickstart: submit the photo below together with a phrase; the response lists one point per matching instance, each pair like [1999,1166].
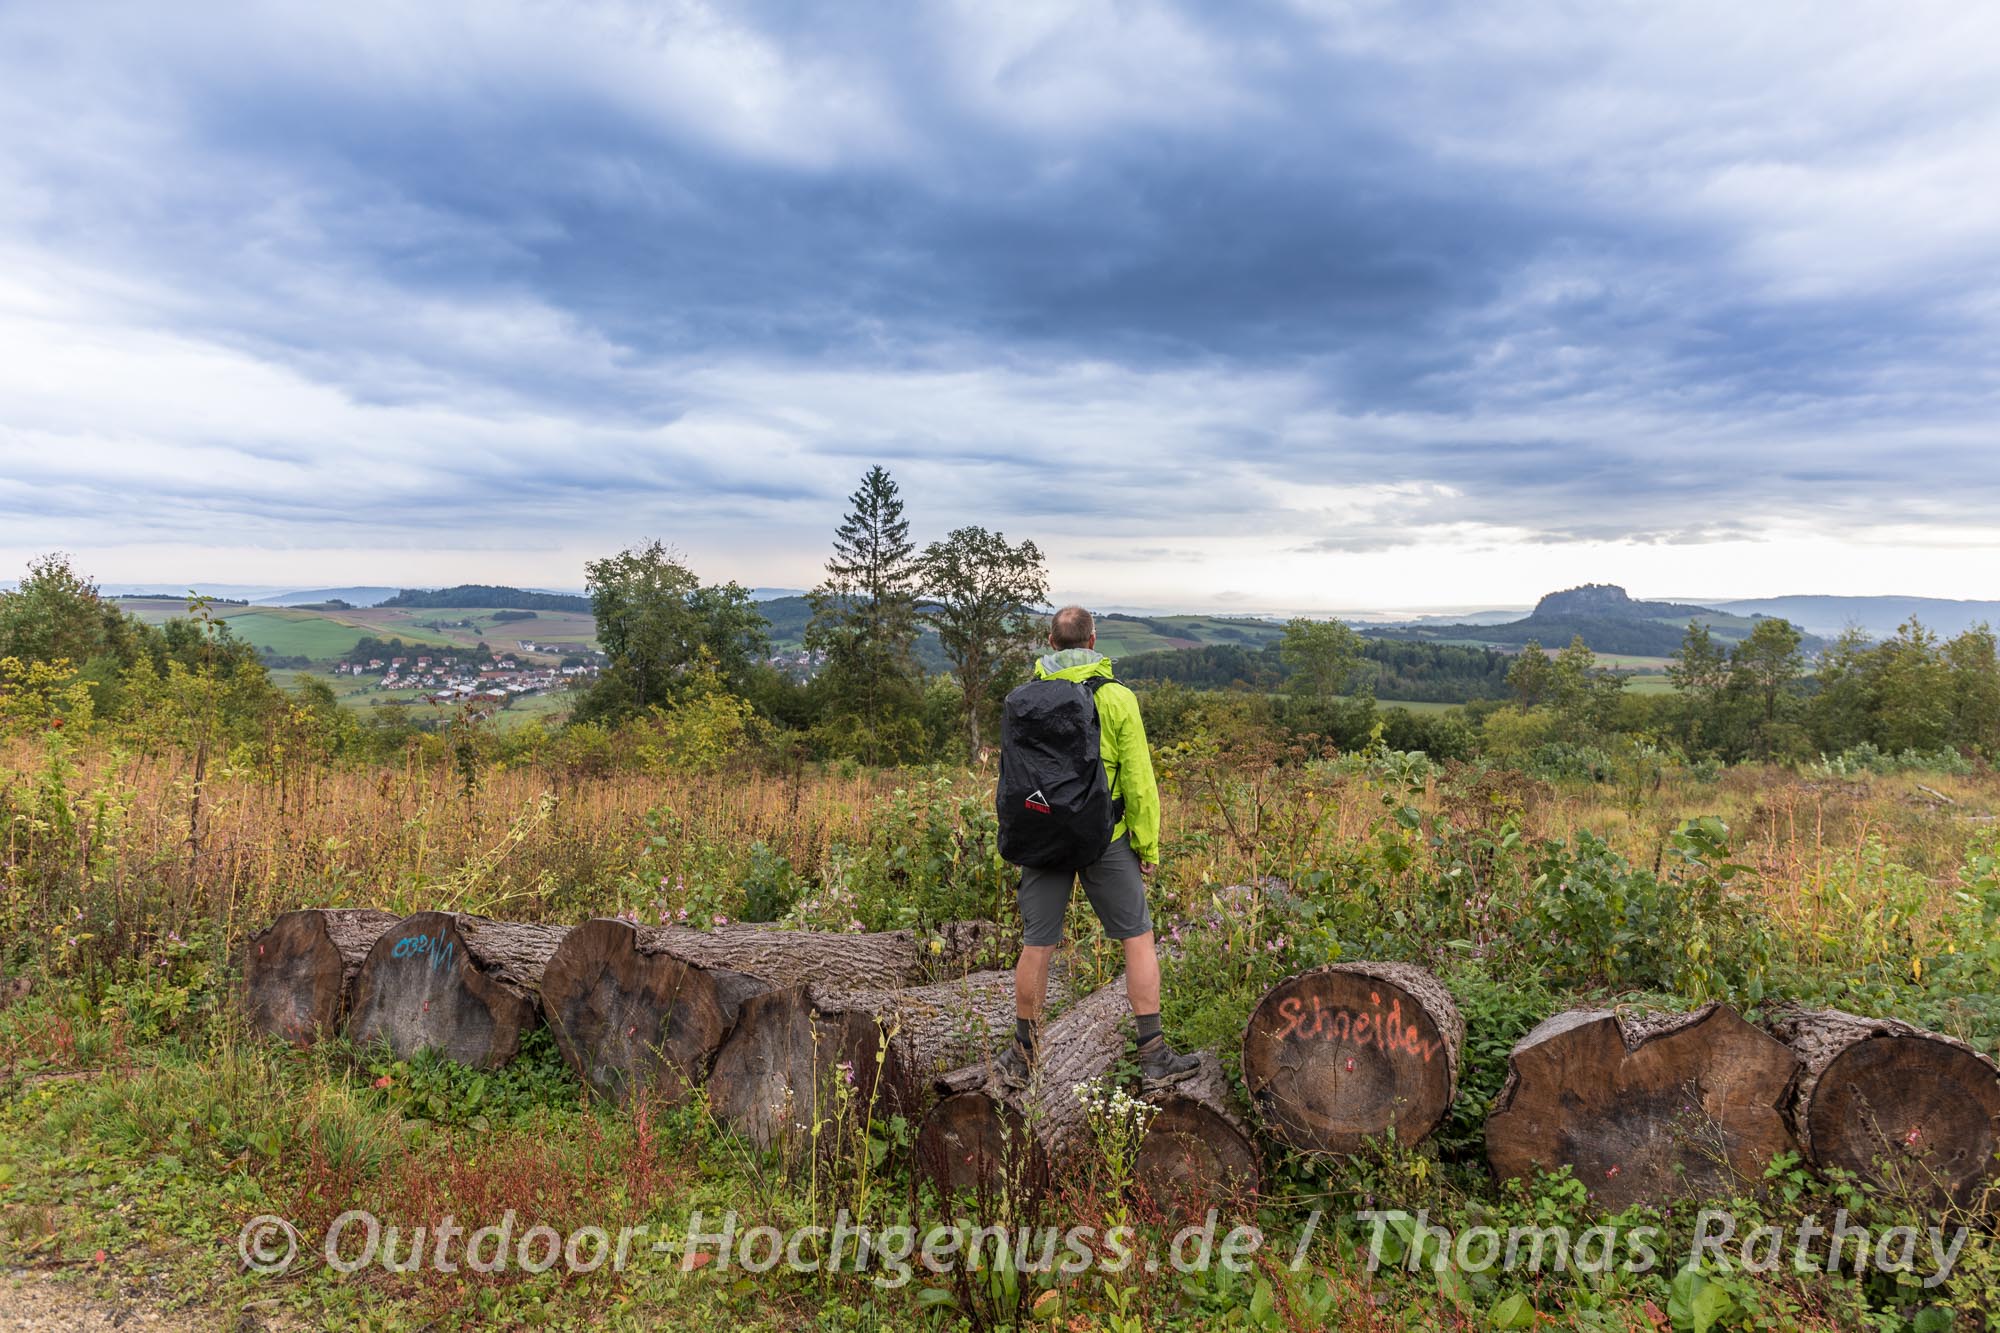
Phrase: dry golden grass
[542,842]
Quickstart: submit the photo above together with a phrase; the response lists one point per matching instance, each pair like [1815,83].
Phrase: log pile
[1644,1110]
[462,985]
[635,1006]
[1914,1111]
[298,972]
[784,1030]
[1347,1052]
[984,1138]
[801,1055]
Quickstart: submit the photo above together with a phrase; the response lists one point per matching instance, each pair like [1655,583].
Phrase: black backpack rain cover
[1054,800]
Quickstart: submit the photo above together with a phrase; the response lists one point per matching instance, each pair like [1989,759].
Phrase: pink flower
[383,1081]
[721,920]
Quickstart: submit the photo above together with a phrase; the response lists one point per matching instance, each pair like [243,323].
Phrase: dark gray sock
[1149,1027]
[1024,1032]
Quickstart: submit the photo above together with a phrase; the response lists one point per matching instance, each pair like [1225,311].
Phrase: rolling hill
[1608,619]
[1118,634]
[1878,617]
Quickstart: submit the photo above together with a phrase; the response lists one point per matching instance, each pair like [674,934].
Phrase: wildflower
[683,914]
[721,920]
[856,927]
[847,1072]
[383,1081]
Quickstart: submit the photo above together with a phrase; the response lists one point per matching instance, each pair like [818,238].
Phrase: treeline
[71,658]
[369,648]
[486,596]
[1415,672]
[692,655]
[1912,693]
[1915,700]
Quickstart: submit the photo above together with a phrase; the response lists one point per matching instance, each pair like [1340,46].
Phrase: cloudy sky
[1278,306]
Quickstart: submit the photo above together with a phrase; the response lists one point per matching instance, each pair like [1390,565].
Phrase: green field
[443,625]
[1122,636]
[327,636]
[1418,705]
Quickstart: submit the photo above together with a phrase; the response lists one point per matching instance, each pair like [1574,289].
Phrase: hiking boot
[1013,1067]
[1161,1064]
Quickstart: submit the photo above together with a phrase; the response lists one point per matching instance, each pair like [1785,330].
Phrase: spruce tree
[864,625]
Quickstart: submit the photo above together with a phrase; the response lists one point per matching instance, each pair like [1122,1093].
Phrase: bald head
[1072,627]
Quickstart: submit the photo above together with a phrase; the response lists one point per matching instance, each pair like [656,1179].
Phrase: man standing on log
[1067,815]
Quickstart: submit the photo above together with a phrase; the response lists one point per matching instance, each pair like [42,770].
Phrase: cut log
[1343,1053]
[463,985]
[1913,1110]
[1644,1110]
[806,1052]
[637,1006]
[885,960]
[628,1014]
[982,1138]
[978,1137]
[1198,1151]
[298,972]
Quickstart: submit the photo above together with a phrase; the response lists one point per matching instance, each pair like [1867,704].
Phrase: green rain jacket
[1128,764]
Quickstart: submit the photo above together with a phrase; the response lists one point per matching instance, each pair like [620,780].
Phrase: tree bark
[1644,1109]
[1342,1053]
[1912,1110]
[1198,1152]
[979,1137]
[884,959]
[637,1006]
[982,1137]
[781,1068]
[463,985]
[628,1015]
[298,972]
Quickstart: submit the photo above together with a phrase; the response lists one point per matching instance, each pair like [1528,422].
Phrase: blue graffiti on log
[438,949]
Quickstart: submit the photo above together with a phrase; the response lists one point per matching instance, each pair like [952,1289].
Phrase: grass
[138,1119]
[439,624]
[1119,636]
[322,636]
[327,636]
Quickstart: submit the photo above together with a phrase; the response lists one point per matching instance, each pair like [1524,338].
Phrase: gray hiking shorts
[1116,889]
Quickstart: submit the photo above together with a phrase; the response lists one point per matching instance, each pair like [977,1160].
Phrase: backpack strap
[1093,685]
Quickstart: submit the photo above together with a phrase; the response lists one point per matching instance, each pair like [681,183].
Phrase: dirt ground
[45,1302]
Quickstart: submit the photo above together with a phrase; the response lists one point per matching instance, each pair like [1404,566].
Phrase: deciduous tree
[1322,655]
[655,621]
[1763,668]
[983,596]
